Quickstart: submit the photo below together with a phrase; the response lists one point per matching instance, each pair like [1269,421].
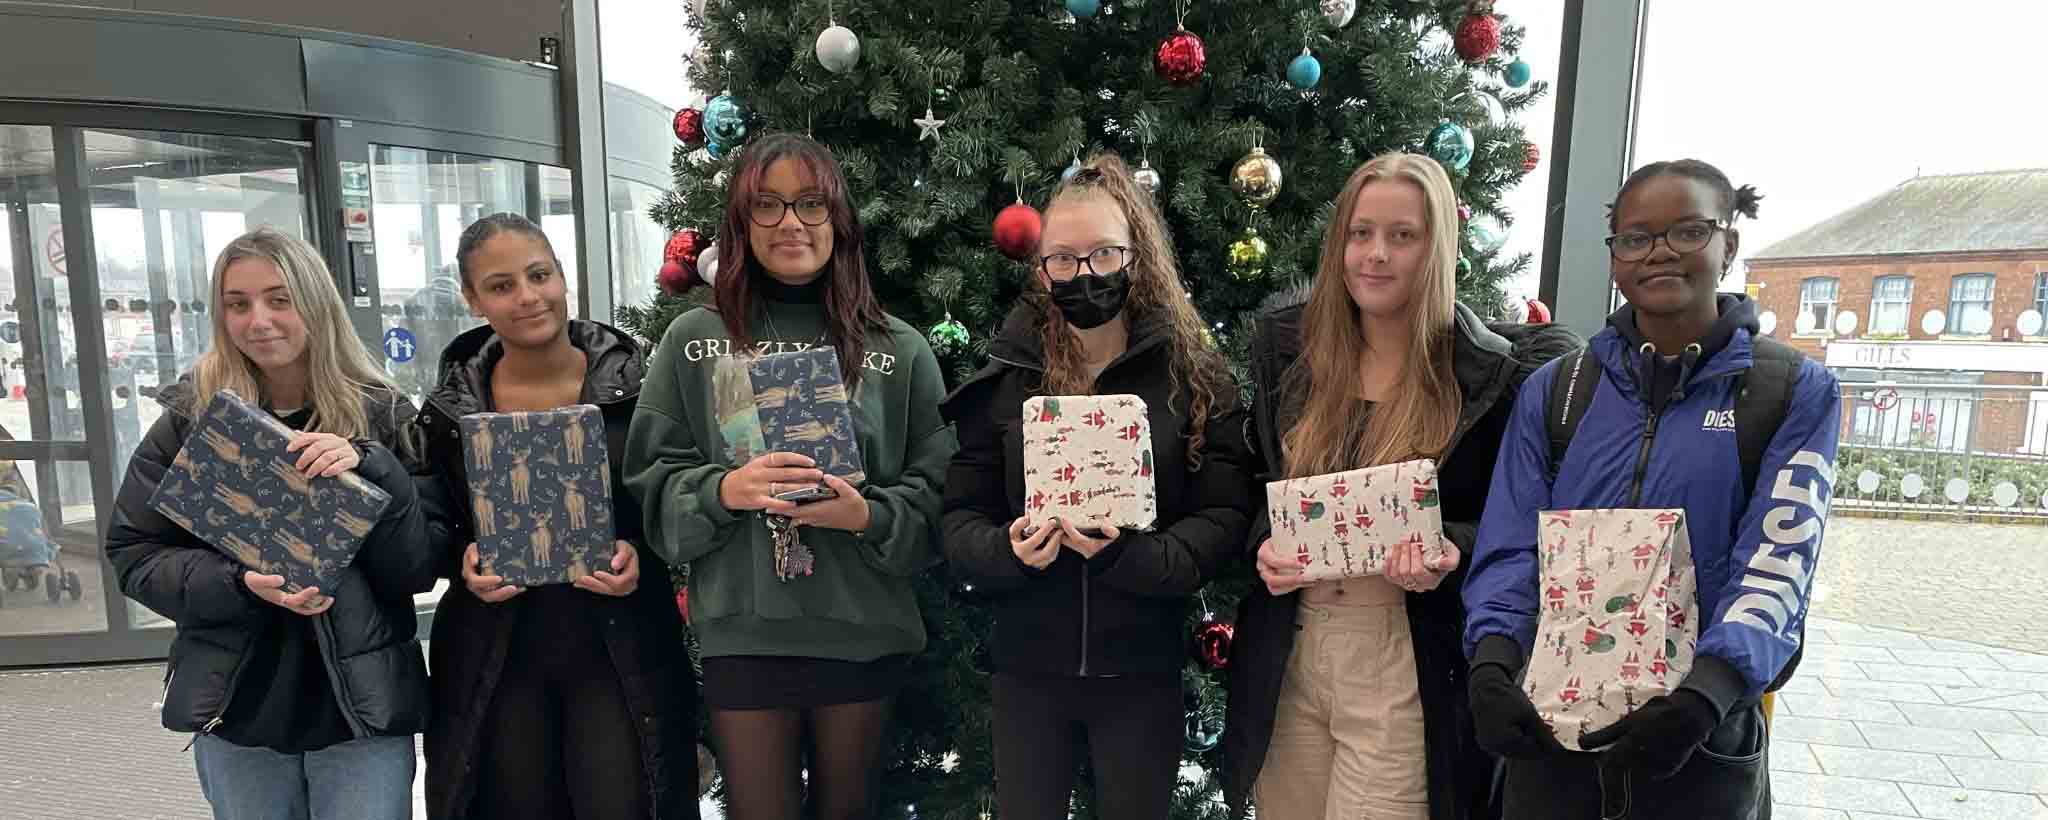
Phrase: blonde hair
[1417,420]
[1156,292]
[340,371]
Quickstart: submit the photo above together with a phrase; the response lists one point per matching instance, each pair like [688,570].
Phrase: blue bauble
[724,122]
[1083,8]
[1450,144]
[1517,73]
[1305,71]
[714,149]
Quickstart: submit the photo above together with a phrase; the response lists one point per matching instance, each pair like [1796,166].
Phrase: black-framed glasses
[1682,238]
[1100,262]
[767,210]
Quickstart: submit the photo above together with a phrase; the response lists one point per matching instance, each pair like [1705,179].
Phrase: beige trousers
[1348,739]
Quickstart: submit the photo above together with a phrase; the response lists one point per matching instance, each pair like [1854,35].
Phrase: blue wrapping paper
[540,487]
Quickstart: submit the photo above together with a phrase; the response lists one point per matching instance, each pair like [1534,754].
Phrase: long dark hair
[851,309]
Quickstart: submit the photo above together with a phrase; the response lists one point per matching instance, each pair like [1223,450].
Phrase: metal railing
[1971,451]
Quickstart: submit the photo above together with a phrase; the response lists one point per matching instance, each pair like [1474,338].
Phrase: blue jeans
[367,779]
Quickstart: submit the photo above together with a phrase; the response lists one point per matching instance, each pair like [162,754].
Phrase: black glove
[1660,737]
[1505,721]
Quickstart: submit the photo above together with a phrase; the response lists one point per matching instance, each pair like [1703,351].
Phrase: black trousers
[559,742]
[1133,731]
[1728,778]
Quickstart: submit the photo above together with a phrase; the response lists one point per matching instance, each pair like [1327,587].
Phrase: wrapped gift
[1619,619]
[540,487]
[802,402]
[1345,525]
[234,486]
[1088,460]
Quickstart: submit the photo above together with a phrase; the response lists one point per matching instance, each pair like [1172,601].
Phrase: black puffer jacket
[1122,612]
[366,639]
[1489,362]
[643,632]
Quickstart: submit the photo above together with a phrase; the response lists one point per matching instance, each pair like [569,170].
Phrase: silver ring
[771,488]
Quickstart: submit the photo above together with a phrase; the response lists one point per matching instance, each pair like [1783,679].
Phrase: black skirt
[772,682]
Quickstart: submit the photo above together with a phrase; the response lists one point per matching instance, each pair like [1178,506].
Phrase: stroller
[28,558]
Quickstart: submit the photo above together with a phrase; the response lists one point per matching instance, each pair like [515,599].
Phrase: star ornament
[928,125]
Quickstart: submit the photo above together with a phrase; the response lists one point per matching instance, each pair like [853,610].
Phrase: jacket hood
[614,372]
[1737,313]
[1640,367]
[1484,354]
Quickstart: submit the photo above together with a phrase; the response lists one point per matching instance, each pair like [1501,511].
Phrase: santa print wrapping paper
[1344,525]
[1619,620]
[1088,460]
[802,402]
[540,490]
[234,486]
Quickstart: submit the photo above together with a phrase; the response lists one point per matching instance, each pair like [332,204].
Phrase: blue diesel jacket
[1754,548]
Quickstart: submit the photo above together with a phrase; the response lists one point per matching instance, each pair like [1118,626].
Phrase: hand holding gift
[490,589]
[1038,549]
[1074,540]
[323,454]
[1412,568]
[270,588]
[845,510]
[1279,570]
[621,581]
[754,485]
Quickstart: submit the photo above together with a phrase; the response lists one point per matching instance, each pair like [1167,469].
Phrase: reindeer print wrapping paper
[803,408]
[234,486]
[1344,525]
[540,485]
[1619,619]
[1088,459]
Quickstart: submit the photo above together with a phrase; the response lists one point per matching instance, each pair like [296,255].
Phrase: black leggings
[1134,730]
[559,741]
[762,754]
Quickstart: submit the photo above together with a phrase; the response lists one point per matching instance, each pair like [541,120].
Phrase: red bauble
[1016,231]
[1531,155]
[1212,643]
[1180,59]
[689,126]
[683,247]
[683,603]
[1539,313]
[1464,212]
[1478,37]
[675,279]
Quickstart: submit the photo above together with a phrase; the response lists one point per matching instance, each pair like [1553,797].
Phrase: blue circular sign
[399,345]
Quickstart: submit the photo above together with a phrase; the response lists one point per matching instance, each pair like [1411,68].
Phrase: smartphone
[806,495]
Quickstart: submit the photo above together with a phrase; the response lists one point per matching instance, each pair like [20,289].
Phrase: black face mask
[1091,301]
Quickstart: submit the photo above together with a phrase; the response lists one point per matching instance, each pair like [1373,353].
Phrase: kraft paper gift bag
[803,407]
[1088,459]
[540,487]
[1345,525]
[1620,613]
[234,486]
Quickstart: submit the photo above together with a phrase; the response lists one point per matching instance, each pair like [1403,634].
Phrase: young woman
[305,704]
[562,700]
[1344,695]
[1089,627]
[1676,353]
[798,669]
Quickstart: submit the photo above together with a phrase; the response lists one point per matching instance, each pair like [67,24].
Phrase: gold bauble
[1256,178]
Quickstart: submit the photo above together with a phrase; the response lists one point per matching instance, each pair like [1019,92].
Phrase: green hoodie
[858,604]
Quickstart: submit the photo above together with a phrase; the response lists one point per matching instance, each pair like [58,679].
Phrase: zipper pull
[203,730]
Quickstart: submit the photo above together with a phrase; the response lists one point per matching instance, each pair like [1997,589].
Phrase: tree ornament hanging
[1180,59]
[838,49]
[1071,169]
[679,262]
[948,338]
[1464,265]
[928,125]
[1451,144]
[689,126]
[1212,643]
[1248,256]
[707,265]
[1478,34]
[1338,13]
[1464,212]
[1147,177]
[1256,178]
[1203,733]
[714,149]
[1486,233]
[725,122]
[1305,71]
[1016,230]
[1517,73]
[1531,157]
[1083,8]
[1539,313]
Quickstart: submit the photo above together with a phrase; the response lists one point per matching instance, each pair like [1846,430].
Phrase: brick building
[1929,300]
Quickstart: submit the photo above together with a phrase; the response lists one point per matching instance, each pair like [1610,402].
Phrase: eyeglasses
[1682,238]
[768,209]
[1100,262]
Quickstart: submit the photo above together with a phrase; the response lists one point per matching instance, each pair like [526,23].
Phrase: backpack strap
[1571,392]
[1762,397]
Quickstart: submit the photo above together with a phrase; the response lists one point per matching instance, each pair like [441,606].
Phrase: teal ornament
[1083,8]
[725,123]
[1517,73]
[1202,734]
[1450,144]
[1464,265]
[1072,169]
[716,150]
[1486,233]
[1305,71]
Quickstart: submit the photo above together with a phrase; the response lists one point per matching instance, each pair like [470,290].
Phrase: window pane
[637,242]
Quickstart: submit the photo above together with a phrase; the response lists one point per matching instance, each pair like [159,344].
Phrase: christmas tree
[944,113]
